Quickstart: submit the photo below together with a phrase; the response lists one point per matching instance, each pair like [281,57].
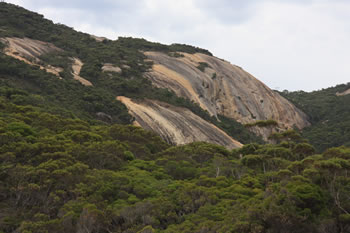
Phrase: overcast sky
[287,44]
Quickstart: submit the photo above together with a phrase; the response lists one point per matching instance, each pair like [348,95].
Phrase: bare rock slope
[108,67]
[174,124]
[76,67]
[29,51]
[222,88]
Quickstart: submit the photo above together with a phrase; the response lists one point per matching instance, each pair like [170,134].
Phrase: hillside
[209,87]
[106,68]
[329,114]
[71,160]
[63,174]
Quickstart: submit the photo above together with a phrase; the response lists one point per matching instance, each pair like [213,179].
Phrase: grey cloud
[118,15]
[84,5]
[227,11]
[238,11]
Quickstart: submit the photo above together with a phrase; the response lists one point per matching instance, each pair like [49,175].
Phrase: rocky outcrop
[265,132]
[222,88]
[108,67]
[174,124]
[29,51]
[347,92]
[76,67]
[98,38]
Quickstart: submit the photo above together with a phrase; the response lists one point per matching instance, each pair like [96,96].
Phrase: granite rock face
[76,67]
[222,88]
[174,124]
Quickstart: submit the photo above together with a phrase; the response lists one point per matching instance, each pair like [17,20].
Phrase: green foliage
[2,45]
[20,128]
[202,66]
[142,44]
[252,161]
[261,123]
[189,49]
[129,155]
[287,136]
[328,113]
[238,131]
[60,174]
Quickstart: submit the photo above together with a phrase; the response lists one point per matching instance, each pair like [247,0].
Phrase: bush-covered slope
[63,174]
[329,115]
